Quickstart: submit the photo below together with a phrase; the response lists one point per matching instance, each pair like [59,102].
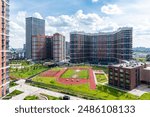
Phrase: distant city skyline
[65,16]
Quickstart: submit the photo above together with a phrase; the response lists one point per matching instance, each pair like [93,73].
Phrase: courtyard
[81,82]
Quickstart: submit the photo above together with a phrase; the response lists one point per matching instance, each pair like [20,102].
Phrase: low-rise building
[129,75]
[146,75]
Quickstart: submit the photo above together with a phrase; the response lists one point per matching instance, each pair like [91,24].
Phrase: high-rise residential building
[49,47]
[67,48]
[38,47]
[4,47]
[35,31]
[59,53]
[102,47]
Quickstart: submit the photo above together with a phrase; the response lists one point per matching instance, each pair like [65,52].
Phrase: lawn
[14,93]
[51,97]
[102,92]
[32,97]
[26,72]
[70,73]
[12,84]
[22,62]
[145,96]
[101,78]
[56,69]
[105,69]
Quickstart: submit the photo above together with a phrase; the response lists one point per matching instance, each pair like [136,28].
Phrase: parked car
[66,97]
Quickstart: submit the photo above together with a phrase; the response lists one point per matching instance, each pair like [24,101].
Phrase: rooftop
[102,33]
[148,68]
[129,64]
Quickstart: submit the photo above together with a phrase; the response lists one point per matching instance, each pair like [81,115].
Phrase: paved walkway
[140,90]
[30,90]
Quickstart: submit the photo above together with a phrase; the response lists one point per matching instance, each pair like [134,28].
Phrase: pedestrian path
[30,90]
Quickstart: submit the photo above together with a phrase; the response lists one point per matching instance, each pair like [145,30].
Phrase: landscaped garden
[14,93]
[49,97]
[32,97]
[12,84]
[101,78]
[145,96]
[82,90]
[26,71]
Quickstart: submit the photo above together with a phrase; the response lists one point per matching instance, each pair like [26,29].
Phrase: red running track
[72,81]
[58,75]
[49,73]
[75,81]
[92,80]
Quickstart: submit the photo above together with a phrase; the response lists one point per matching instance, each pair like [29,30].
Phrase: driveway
[30,90]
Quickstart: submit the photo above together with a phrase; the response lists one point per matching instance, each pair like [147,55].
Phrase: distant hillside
[141,49]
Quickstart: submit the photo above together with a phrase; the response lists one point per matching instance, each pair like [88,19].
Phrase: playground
[72,76]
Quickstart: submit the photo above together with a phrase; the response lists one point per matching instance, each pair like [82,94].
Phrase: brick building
[128,75]
[59,52]
[38,47]
[103,48]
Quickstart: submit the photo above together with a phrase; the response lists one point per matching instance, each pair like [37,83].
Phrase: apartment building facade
[103,48]
[49,47]
[67,49]
[38,47]
[4,47]
[59,53]
[35,32]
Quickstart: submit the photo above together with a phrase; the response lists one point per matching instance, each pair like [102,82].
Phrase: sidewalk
[30,90]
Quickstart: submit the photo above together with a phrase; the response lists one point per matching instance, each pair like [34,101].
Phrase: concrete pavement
[30,90]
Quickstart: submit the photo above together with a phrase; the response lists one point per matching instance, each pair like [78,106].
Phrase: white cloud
[64,24]
[17,29]
[95,0]
[111,9]
[134,14]
[37,15]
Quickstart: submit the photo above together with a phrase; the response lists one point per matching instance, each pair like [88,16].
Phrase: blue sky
[64,16]
[57,7]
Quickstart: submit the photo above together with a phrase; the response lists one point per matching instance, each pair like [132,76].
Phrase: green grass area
[105,69]
[12,84]
[145,96]
[22,62]
[141,59]
[80,74]
[102,92]
[32,97]
[101,78]
[14,93]
[51,97]
[69,73]
[83,74]
[26,72]
[56,69]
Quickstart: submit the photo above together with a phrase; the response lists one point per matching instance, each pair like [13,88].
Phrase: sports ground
[72,76]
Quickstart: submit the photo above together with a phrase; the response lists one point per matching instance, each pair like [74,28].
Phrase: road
[30,90]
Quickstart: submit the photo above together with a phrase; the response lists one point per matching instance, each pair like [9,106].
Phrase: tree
[148,57]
